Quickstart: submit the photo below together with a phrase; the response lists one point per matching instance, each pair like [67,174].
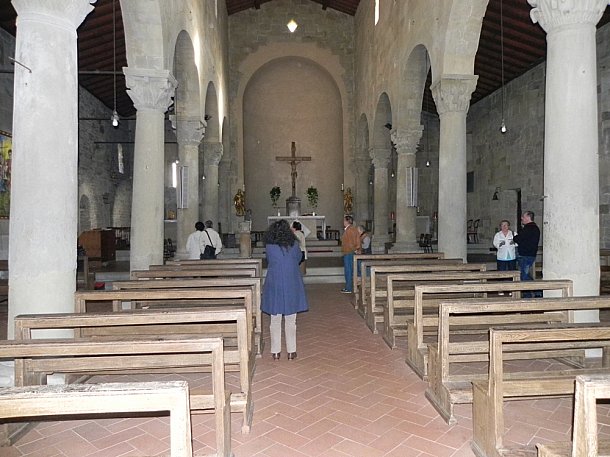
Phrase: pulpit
[311,223]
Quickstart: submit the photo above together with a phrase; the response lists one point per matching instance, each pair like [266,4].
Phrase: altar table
[311,223]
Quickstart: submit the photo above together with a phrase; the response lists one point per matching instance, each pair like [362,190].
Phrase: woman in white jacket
[503,242]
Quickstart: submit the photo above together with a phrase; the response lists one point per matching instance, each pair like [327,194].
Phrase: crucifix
[294,160]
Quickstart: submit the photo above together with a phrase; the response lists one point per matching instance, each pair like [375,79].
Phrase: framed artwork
[6,153]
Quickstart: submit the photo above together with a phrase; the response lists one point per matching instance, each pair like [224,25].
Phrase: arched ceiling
[524,45]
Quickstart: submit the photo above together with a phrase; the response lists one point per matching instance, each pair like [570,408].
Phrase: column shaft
[44,185]
[381,159]
[571,167]
[212,156]
[452,96]
[151,91]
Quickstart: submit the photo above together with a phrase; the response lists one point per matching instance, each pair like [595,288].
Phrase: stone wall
[325,37]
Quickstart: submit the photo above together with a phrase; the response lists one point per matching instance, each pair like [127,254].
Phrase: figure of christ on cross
[294,160]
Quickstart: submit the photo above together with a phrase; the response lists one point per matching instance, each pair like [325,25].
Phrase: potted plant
[275,195]
[312,198]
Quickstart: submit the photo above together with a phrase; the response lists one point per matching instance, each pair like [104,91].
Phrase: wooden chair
[472,233]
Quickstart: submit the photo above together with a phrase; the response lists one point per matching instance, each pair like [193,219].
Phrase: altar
[310,224]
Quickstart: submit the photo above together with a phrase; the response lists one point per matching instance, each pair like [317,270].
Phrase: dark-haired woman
[284,291]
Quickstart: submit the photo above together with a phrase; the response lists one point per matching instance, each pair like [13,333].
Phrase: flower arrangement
[312,197]
[275,195]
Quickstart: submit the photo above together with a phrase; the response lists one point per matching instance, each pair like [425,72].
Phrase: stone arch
[121,208]
[143,26]
[414,74]
[462,37]
[264,54]
[383,123]
[293,99]
[212,133]
[186,101]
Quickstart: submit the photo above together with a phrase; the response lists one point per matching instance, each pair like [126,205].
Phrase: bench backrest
[194,273]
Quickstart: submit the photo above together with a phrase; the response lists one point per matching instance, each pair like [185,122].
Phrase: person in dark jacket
[284,291]
[527,241]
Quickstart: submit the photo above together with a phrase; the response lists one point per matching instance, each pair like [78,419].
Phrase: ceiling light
[292,25]
[503,127]
[115,116]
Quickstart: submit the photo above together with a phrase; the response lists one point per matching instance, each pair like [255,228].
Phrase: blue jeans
[526,264]
[506,265]
[348,271]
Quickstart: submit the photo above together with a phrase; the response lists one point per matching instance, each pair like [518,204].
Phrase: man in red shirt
[350,243]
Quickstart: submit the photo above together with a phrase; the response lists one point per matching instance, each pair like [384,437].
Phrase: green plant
[275,195]
[312,197]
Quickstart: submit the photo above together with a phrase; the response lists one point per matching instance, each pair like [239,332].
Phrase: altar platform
[311,223]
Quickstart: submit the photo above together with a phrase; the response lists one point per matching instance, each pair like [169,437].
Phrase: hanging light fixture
[427,123]
[115,116]
[292,25]
[503,125]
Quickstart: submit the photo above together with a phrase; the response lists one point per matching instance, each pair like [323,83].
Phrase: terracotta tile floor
[347,394]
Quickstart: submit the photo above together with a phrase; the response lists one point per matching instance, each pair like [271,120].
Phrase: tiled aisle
[347,394]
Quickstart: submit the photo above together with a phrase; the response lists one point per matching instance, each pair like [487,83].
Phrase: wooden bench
[217,263]
[164,324]
[585,441]
[195,273]
[450,368]
[93,399]
[35,359]
[401,292]
[175,298]
[398,256]
[489,395]
[236,283]
[376,296]
[368,280]
[417,348]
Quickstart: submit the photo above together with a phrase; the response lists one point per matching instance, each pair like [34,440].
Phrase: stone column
[405,141]
[381,159]
[212,153]
[189,133]
[151,92]
[225,205]
[44,186]
[571,176]
[361,195]
[452,96]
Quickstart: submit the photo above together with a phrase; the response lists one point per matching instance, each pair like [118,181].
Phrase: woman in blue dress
[284,291]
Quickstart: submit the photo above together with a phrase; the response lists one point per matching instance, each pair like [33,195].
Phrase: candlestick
[341,186]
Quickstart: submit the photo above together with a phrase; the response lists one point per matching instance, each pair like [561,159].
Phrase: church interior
[124,122]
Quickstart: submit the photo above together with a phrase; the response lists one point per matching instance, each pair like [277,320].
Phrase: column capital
[189,132]
[452,92]
[405,140]
[212,153]
[68,14]
[380,157]
[150,89]
[552,14]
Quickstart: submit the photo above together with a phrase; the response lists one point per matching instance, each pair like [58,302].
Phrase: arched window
[376,11]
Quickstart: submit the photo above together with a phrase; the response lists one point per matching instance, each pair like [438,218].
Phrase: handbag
[210,251]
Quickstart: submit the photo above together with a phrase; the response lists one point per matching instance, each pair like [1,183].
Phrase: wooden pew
[368,281]
[446,387]
[397,256]
[489,395]
[195,273]
[161,323]
[218,263]
[93,399]
[375,298]
[417,348]
[34,359]
[168,298]
[240,282]
[585,441]
[401,292]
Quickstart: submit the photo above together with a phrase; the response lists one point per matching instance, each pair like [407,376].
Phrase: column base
[404,246]
[379,244]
